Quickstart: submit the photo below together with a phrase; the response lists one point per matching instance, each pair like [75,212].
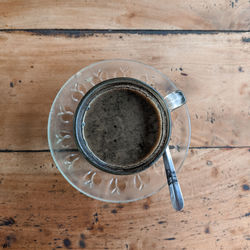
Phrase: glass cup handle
[174,100]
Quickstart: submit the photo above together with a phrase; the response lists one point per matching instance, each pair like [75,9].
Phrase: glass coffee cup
[123,125]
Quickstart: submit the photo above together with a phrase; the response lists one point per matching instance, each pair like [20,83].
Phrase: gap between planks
[86,32]
[73,149]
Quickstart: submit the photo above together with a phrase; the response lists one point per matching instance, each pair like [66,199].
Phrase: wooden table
[203,46]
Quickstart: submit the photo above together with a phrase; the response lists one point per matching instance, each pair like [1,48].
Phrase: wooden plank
[132,14]
[212,70]
[40,210]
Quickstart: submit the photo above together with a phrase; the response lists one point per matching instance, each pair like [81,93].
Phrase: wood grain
[212,70]
[131,14]
[40,210]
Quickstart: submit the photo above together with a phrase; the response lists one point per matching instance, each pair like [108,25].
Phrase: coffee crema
[122,126]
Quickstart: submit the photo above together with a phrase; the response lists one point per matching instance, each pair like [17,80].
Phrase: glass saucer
[79,172]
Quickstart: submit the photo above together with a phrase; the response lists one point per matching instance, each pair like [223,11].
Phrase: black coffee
[122,126]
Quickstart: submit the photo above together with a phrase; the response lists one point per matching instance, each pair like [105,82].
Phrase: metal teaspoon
[173,184]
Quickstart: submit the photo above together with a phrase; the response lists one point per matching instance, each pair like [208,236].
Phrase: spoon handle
[173,184]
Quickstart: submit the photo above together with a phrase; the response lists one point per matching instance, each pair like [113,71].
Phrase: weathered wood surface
[119,14]
[40,210]
[212,70]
